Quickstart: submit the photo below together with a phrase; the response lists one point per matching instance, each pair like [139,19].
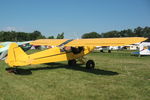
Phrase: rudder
[16,56]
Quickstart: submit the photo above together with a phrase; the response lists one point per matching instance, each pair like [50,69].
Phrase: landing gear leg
[82,60]
[90,64]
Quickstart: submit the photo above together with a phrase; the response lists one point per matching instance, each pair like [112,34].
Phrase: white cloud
[10,28]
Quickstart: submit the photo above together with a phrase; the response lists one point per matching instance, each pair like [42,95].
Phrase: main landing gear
[90,64]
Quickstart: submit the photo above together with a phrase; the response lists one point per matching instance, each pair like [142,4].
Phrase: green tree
[36,35]
[60,36]
[126,33]
[51,37]
[111,34]
[138,31]
[20,36]
[91,35]
[146,32]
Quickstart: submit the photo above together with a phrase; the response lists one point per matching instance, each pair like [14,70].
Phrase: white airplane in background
[5,45]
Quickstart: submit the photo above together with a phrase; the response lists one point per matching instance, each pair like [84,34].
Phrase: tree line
[24,36]
[137,32]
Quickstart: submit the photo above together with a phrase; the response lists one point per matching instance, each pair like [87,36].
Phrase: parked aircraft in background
[144,49]
[5,45]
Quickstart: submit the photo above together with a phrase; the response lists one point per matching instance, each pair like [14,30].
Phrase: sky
[73,17]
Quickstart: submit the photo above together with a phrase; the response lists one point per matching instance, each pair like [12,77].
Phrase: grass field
[117,76]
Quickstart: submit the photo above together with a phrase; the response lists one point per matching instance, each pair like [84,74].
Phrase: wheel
[9,70]
[109,51]
[72,62]
[102,51]
[90,64]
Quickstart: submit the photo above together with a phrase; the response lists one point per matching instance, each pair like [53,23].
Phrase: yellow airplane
[64,50]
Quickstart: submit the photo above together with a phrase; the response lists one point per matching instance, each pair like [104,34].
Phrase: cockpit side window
[75,50]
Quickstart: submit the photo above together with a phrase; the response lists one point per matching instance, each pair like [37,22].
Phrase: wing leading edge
[48,42]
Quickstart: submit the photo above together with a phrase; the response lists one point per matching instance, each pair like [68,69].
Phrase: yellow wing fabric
[48,42]
[106,41]
[90,42]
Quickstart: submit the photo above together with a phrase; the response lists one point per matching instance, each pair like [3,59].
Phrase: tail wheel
[72,62]
[12,70]
[90,64]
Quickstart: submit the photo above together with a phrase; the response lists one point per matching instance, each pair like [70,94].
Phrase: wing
[89,42]
[49,42]
[106,41]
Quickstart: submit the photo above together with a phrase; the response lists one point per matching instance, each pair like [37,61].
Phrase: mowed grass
[117,76]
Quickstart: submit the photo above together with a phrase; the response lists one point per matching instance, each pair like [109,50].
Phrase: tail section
[16,56]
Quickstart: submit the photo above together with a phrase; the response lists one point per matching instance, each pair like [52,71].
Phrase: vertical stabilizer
[16,56]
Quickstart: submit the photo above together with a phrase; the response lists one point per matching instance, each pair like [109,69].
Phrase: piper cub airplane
[64,50]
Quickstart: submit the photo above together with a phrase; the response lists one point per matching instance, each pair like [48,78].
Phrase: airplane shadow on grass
[78,67]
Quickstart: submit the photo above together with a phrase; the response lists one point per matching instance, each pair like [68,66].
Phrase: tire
[109,51]
[72,62]
[102,51]
[90,64]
